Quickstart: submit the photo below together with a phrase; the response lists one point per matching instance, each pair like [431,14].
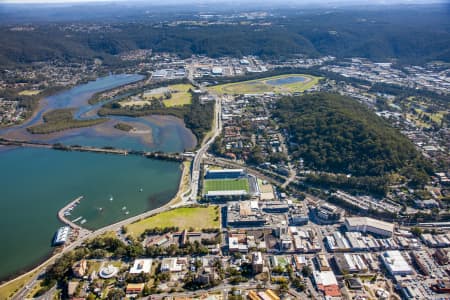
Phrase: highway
[196,164]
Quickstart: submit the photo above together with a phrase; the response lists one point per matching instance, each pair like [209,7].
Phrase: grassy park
[180,95]
[172,95]
[29,92]
[183,218]
[289,83]
[12,287]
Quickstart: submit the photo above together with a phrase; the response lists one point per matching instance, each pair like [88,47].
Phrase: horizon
[184,2]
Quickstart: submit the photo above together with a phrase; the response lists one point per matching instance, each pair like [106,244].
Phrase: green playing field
[226,185]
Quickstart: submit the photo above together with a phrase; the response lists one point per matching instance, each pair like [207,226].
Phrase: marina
[66,210]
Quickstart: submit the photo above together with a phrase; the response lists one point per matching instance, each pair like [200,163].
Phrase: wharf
[62,217]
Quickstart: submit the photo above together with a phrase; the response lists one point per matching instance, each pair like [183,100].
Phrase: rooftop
[141,265]
[364,221]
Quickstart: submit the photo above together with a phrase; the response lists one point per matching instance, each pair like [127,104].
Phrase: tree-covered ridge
[413,35]
[337,134]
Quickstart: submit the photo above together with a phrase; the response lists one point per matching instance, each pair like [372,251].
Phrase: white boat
[77,219]
[123,208]
[83,221]
[111,198]
[141,189]
[127,212]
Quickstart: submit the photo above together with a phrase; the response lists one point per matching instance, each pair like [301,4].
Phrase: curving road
[195,175]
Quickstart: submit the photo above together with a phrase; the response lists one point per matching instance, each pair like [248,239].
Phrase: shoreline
[178,198]
[175,200]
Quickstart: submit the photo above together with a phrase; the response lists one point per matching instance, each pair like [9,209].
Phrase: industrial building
[322,262]
[369,225]
[395,263]
[350,263]
[337,242]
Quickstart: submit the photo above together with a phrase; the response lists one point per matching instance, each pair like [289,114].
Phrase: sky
[243,1]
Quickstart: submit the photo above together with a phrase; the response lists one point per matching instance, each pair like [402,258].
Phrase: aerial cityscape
[224,150]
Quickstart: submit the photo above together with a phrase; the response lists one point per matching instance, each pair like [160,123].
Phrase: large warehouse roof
[364,221]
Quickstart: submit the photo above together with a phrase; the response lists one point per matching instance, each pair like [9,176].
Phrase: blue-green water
[156,133]
[36,183]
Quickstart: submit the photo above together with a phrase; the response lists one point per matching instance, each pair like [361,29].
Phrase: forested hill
[337,134]
[412,35]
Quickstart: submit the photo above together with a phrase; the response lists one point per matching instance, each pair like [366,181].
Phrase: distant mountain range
[410,34]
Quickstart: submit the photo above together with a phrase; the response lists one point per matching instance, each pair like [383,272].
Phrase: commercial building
[276,207]
[173,264]
[298,219]
[328,212]
[237,244]
[326,283]
[395,263]
[61,236]
[141,266]
[257,262]
[369,225]
[243,214]
[134,288]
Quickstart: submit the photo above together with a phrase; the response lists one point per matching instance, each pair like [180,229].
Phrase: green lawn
[29,92]
[184,218]
[9,289]
[262,85]
[180,95]
[225,185]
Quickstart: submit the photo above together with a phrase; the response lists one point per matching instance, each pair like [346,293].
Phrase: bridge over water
[106,150]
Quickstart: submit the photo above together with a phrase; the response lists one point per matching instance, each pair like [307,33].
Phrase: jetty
[62,216]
